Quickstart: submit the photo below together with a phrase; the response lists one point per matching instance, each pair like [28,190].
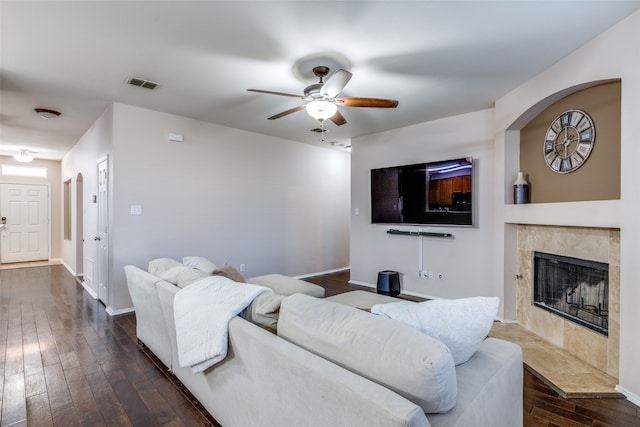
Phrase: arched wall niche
[512,133]
[544,103]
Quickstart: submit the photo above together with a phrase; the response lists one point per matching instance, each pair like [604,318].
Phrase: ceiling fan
[323,101]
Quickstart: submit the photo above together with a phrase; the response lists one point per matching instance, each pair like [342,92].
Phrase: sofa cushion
[188,276]
[285,285]
[462,324]
[264,311]
[394,355]
[161,265]
[229,272]
[199,263]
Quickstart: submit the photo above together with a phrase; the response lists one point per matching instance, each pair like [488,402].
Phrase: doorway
[102,237]
[24,212]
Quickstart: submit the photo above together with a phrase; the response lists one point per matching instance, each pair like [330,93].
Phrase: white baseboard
[111,312]
[632,397]
[90,291]
[61,261]
[319,273]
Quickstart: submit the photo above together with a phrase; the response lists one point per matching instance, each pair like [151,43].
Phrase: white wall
[82,158]
[276,206]
[612,55]
[466,260]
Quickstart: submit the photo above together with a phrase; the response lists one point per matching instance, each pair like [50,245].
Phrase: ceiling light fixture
[46,113]
[321,110]
[24,156]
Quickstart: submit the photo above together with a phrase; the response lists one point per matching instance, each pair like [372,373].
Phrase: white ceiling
[438,58]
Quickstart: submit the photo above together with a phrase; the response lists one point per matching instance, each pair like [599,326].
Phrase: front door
[102,238]
[25,215]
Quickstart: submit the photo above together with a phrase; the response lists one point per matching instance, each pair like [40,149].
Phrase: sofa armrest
[489,388]
[151,328]
[166,294]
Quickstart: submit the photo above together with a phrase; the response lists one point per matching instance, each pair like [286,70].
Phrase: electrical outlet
[426,275]
[243,268]
[441,276]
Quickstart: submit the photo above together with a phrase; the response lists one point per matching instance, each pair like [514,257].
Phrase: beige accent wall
[595,244]
[599,177]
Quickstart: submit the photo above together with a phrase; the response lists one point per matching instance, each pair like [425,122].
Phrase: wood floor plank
[31,350]
[35,384]
[57,388]
[14,402]
[38,410]
[65,416]
[80,392]
[14,360]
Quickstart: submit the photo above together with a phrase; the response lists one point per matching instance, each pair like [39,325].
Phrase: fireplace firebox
[573,288]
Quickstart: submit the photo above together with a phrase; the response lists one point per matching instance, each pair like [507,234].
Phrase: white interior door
[24,209]
[102,238]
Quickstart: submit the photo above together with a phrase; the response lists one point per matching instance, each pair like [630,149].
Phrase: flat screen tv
[434,193]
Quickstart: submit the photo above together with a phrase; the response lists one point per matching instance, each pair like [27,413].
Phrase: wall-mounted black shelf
[418,233]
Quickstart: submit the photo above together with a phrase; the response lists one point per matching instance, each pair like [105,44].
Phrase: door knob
[96,238]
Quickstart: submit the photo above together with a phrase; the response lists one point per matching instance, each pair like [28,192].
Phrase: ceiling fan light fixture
[321,110]
[46,113]
[23,156]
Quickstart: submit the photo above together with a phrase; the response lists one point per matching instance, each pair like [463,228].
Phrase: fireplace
[573,288]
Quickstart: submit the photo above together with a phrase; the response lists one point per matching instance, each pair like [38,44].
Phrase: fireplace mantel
[600,214]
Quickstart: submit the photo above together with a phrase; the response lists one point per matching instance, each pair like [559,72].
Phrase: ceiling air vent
[147,84]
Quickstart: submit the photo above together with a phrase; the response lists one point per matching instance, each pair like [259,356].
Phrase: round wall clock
[569,141]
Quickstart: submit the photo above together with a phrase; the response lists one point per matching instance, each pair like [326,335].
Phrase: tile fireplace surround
[596,244]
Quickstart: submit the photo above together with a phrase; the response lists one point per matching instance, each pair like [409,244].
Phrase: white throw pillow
[172,274]
[159,266]
[199,263]
[461,324]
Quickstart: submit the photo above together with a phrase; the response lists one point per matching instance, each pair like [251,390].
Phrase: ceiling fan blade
[368,102]
[286,113]
[336,83]
[338,118]
[275,93]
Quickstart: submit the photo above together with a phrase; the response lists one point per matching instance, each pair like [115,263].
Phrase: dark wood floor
[65,362]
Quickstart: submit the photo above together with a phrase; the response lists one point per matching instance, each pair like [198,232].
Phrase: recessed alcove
[580,227]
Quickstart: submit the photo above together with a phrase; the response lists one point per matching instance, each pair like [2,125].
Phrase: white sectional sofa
[267,380]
